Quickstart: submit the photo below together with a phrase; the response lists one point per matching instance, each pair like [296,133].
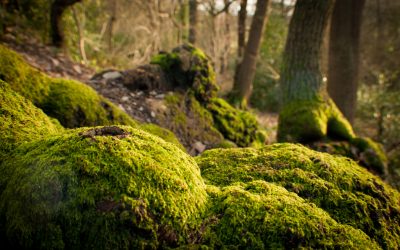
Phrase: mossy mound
[100,188]
[261,215]
[312,120]
[365,151]
[185,117]
[75,104]
[348,193]
[72,103]
[236,125]
[24,79]
[189,67]
[21,121]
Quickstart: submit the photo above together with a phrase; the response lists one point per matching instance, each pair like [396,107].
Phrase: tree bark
[244,78]
[57,9]
[344,55]
[301,77]
[193,21]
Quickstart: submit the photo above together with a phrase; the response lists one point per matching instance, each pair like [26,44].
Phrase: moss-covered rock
[348,193]
[100,188]
[312,120]
[262,215]
[189,67]
[72,103]
[236,125]
[21,121]
[24,79]
[365,151]
[186,117]
[75,104]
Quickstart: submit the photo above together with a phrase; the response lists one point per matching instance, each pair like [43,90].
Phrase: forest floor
[138,104]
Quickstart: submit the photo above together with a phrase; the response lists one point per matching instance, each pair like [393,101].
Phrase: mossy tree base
[319,124]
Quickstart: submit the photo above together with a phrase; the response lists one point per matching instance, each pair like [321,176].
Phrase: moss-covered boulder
[73,103]
[188,119]
[21,121]
[188,67]
[100,188]
[347,192]
[262,215]
[365,151]
[236,125]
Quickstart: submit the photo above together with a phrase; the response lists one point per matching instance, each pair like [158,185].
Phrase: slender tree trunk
[193,21]
[242,28]
[110,25]
[244,79]
[344,55]
[80,35]
[57,9]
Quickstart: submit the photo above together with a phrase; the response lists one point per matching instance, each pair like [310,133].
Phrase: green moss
[100,188]
[372,154]
[189,67]
[348,193]
[21,121]
[186,117]
[73,103]
[261,215]
[236,125]
[305,121]
[163,133]
[29,82]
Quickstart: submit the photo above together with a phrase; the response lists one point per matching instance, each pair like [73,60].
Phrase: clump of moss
[163,133]
[236,125]
[187,118]
[100,188]
[365,151]
[75,104]
[21,121]
[312,120]
[188,67]
[72,103]
[261,215]
[24,79]
[348,193]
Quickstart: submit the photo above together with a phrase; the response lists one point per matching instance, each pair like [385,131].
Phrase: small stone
[141,109]
[122,107]
[160,96]
[139,93]
[77,69]
[125,98]
[134,103]
[112,75]
[199,146]
[153,93]
[152,114]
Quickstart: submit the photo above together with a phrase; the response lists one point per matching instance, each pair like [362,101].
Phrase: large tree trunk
[192,21]
[57,9]
[244,78]
[308,114]
[344,55]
